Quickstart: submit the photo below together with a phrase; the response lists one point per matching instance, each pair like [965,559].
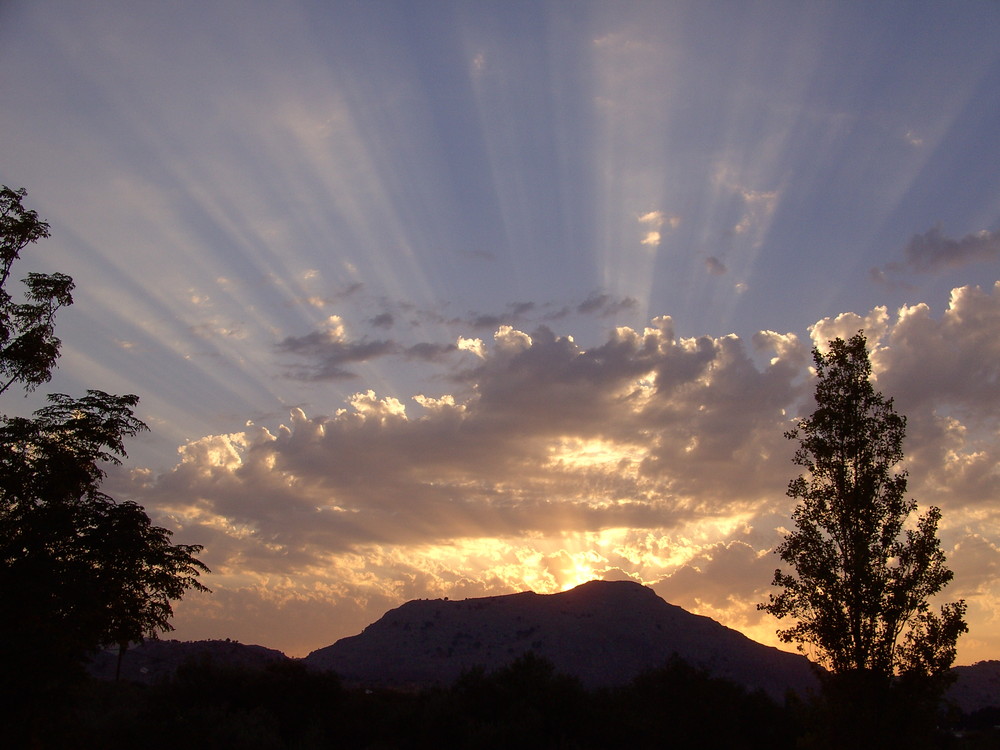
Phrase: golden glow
[595,453]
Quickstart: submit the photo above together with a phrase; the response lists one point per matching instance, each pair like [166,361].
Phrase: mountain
[155,659]
[603,632]
[976,686]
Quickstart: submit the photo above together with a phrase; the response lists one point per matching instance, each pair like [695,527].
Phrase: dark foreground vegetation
[525,705]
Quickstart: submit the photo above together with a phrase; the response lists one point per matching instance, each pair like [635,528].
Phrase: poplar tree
[861,576]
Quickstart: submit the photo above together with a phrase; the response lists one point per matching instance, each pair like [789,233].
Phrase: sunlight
[580,573]
[544,279]
[633,99]
[595,453]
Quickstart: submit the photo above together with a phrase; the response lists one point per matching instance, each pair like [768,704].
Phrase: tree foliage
[861,577]
[28,345]
[78,569]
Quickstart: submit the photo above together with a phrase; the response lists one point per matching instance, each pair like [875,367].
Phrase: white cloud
[845,325]
[652,239]
[472,345]
[654,221]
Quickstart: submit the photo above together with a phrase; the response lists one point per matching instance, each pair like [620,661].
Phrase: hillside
[976,686]
[604,632]
[155,659]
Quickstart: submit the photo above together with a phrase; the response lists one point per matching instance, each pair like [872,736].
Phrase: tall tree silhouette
[78,570]
[861,580]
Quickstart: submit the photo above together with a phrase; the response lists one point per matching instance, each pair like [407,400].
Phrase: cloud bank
[547,463]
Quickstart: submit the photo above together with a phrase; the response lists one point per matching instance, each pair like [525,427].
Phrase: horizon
[783,647]
[428,300]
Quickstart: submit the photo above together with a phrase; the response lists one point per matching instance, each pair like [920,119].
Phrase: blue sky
[454,299]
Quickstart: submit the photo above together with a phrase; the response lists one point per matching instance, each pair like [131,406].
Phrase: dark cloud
[349,291]
[932,251]
[429,352]
[520,313]
[521,308]
[715,266]
[490,322]
[558,314]
[605,305]
[328,352]
[514,314]
[383,320]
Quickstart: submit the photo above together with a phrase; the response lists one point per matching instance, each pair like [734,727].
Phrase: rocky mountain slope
[604,632]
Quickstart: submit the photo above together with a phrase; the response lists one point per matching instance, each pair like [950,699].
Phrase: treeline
[525,705]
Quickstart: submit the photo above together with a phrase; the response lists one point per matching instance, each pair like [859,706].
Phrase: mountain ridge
[361,660]
[603,632]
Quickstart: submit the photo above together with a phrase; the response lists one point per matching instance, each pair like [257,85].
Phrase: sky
[454,299]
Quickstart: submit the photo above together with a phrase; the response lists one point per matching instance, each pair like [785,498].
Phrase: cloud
[315,300]
[715,266]
[874,324]
[951,360]
[472,345]
[654,221]
[719,574]
[932,252]
[652,239]
[597,303]
[429,352]
[328,349]
[759,208]
[327,352]
[756,207]
[605,305]
[545,437]
[486,321]
[942,372]
[647,455]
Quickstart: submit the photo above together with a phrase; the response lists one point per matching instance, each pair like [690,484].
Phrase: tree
[78,570]
[28,346]
[862,577]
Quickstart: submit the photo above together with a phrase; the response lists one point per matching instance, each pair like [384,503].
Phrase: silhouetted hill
[153,660]
[603,632]
[976,686]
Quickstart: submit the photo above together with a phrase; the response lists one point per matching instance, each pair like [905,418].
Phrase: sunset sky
[429,298]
